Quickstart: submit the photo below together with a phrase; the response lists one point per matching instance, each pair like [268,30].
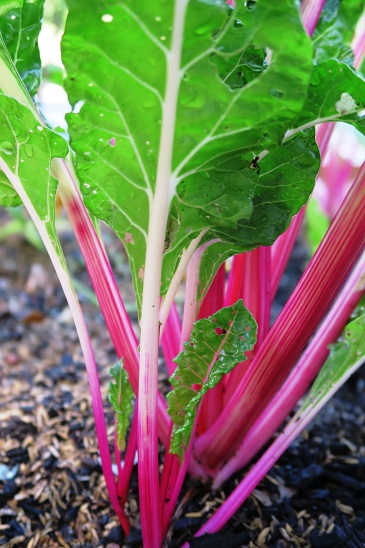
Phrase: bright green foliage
[20,24]
[229,102]
[286,180]
[346,356]
[335,29]
[217,344]
[120,395]
[27,148]
[317,223]
[336,93]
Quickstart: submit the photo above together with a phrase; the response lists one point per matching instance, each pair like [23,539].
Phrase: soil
[52,492]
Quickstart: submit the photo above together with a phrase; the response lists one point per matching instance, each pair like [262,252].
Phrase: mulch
[52,492]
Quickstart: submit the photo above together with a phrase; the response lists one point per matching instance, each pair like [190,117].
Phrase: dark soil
[52,492]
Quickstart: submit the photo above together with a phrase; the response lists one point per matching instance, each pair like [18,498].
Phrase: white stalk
[176,279]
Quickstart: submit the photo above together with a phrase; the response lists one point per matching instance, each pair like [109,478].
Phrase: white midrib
[149,343]
[160,204]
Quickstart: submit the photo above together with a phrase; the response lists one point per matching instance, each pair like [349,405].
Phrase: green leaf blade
[217,344]
[20,24]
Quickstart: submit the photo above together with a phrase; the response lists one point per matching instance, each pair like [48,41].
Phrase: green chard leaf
[120,395]
[20,24]
[217,344]
[346,356]
[334,31]
[336,93]
[26,151]
[20,66]
[285,182]
[317,224]
[231,104]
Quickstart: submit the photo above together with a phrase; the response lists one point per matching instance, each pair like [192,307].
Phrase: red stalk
[329,267]
[102,279]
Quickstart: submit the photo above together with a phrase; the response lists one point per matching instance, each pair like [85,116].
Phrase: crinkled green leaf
[334,31]
[27,149]
[229,102]
[20,24]
[120,395]
[217,344]
[336,93]
[345,357]
[286,180]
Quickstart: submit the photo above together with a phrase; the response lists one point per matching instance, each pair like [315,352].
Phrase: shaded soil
[52,492]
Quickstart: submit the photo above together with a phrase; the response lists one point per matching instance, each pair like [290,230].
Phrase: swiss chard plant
[196,133]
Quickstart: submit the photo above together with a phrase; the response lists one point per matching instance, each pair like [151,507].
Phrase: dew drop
[163,38]
[86,185]
[40,128]
[101,114]
[157,18]
[148,143]
[6,148]
[250,5]
[13,17]
[29,151]
[107,18]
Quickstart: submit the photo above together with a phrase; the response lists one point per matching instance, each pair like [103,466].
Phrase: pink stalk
[235,280]
[301,376]
[85,343]
[148,468]
[326,272]
[171,468]
[177,473]
[191,290]
[311,11]
[170,339]
[174,472]
[282,248]
[172,492]
[270,457]
[125,476]
[358,44]
[256,290]
[257,298]
[213,400]
[102,279]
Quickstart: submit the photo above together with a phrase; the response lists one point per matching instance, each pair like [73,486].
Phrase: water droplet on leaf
[250,5]
[6,148]
[107,18]
[29,150]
